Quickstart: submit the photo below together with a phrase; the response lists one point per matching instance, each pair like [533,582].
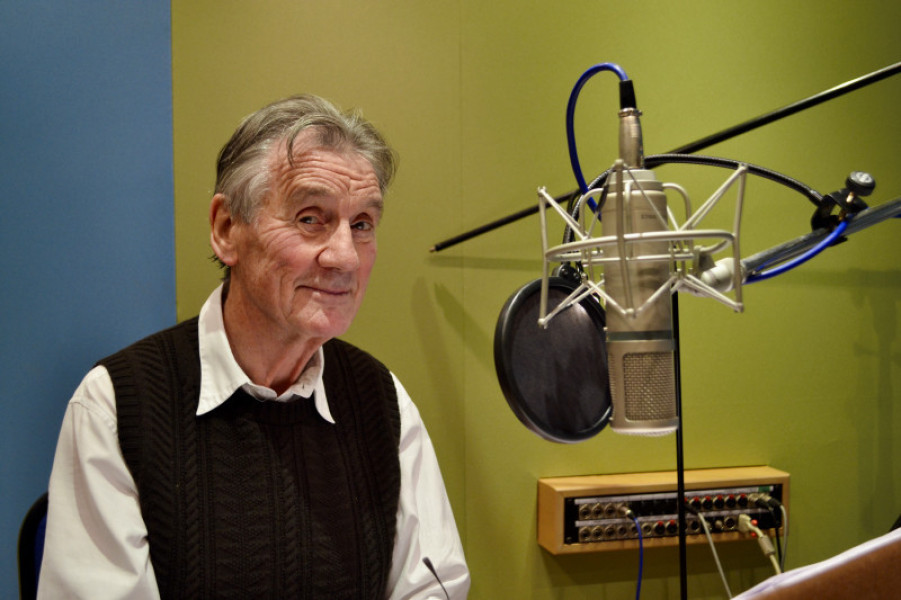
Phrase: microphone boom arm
[793,248]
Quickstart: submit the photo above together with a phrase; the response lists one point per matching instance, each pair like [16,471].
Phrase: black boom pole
[710,140]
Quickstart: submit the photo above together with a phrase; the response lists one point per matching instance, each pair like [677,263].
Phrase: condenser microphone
[640,344]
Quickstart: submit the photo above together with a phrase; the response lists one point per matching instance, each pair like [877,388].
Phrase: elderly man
[246,453]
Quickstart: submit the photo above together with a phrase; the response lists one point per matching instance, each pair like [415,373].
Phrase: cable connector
[766,545]
[771,505]
[627,94]
[631,142]
[748,525]
[767,502]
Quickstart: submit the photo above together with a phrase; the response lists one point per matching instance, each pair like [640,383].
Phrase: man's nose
[340,251]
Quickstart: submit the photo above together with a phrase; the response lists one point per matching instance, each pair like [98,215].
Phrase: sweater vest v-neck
[260,499]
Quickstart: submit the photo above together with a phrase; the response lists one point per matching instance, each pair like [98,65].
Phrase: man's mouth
[334,292]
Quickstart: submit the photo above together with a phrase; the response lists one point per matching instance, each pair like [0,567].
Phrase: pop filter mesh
[554,379]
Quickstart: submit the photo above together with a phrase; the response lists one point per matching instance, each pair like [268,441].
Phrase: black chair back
[31,548]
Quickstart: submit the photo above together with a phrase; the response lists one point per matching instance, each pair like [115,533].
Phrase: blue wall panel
[86,222]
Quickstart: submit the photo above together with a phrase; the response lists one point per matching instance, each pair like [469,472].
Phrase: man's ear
[223,229]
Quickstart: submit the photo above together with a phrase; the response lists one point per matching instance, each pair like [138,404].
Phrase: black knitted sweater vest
[260,499]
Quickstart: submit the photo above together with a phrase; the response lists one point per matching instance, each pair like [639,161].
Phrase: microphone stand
[700,144]
[680,457]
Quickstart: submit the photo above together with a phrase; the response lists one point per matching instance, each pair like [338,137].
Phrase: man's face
[304,263]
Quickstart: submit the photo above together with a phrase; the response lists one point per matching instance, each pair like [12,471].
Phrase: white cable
[766,544]
[716,557]
[775,563]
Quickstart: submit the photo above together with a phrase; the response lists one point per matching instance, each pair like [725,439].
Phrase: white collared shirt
[220,374]
[96,541]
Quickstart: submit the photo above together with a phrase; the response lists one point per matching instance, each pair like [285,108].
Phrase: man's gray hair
[242,174]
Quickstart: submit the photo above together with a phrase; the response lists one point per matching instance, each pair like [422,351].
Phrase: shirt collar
[221,376]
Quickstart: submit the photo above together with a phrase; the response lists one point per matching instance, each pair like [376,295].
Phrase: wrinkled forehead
[288,153]
[315,170]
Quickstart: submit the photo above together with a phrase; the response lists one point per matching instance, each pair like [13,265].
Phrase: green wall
[472,94]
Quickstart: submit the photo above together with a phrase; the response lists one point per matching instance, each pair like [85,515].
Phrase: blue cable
[570,113]
[640,558]
[825,243]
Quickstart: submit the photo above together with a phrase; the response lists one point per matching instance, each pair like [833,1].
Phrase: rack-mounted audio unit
[589,513]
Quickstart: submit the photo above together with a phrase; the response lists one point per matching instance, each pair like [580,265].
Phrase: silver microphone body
[640,345]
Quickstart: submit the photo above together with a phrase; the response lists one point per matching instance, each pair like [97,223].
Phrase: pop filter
[555,378]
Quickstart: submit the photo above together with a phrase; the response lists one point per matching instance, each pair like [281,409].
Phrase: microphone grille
[649,379]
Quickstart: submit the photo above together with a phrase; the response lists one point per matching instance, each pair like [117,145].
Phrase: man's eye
[363,226]
[309,220]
